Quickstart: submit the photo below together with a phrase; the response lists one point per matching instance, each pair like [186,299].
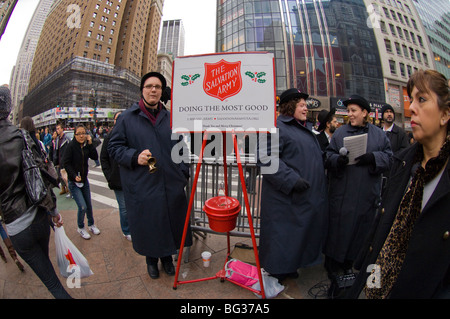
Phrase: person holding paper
[355,186]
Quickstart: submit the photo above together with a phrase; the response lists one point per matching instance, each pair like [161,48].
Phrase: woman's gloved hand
[366,159]
[301,185]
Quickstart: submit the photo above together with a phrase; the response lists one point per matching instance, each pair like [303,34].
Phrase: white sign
[223,92]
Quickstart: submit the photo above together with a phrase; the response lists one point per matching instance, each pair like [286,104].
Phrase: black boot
[152,267]
[168,265]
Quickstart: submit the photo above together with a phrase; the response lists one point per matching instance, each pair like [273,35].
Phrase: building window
[387,43]
[398,49]
[405,51]
[391,26]
[411,54]
[402,69]
[392,67]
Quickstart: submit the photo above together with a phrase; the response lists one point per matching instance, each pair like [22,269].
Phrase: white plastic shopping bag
[70,259]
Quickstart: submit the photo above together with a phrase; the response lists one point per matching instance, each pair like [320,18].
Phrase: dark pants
[32,246]
[154,260]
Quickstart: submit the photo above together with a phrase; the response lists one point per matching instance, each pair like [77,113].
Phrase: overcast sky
[199,17]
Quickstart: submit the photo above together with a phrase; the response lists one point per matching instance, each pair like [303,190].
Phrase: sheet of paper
[356,146]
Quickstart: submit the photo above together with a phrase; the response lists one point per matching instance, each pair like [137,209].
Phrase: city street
[120,273]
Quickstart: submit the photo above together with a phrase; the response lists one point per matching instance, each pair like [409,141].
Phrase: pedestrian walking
[156,202]
[59,147]
[75,161]
[111,171]
[293,200]
[27,225]
[354,190]
[409,247]
[10,247]
[47,140]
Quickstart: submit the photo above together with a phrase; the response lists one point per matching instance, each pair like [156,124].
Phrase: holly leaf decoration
[250,74]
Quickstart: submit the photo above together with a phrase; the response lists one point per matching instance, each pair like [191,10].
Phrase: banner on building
[220,92]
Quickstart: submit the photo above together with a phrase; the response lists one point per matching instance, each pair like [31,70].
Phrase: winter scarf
[393,252]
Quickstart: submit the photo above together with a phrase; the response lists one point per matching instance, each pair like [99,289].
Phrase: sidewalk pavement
[121,273]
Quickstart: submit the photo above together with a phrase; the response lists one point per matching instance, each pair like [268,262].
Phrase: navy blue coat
[354,192]
[156,203]
[293,224]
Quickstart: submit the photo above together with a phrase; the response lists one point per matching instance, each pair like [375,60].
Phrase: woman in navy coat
[156,202]
[293,200]
[354,190]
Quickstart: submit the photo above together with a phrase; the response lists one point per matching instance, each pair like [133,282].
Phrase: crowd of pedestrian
[385,208]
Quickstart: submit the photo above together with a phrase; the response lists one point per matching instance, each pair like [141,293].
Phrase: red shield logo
[222,79]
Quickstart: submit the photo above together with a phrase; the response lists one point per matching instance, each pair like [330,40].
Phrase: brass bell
[152,165]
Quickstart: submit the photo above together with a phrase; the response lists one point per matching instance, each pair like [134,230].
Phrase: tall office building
[403,46]
[172,38]
[6,9]
[93,53]
[328,48]
[21,72]
[435,17]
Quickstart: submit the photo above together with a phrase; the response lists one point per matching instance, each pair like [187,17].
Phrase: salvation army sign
[223,91]
[222,79]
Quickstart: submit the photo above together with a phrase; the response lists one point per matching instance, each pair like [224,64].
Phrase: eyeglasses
[150,87]
[81,134]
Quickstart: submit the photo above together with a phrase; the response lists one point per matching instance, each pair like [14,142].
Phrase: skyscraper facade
[435,17]
[21,73]
[172,38]
[403,46]
[6,9]
[93,53]
[321,47]
[330,49]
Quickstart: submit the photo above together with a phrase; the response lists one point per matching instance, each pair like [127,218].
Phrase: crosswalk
[100,192]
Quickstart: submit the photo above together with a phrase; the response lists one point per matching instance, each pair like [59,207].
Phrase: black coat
[398,139]
[156,203]
[110,167]
[293,223]
[426,268]
[354,192]
[76,159]
[323,140]
[14,201]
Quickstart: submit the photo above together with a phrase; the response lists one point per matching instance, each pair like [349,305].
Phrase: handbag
[34,183]
[49,172]
[68,256]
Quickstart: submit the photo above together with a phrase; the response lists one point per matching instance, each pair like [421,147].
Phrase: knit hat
[385,108]
[154,74]
[5,102]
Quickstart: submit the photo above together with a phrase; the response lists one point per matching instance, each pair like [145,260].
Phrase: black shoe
[168,267]
[153,271]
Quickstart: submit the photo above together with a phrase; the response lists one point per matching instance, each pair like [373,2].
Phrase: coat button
[382,211]
[446,235]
